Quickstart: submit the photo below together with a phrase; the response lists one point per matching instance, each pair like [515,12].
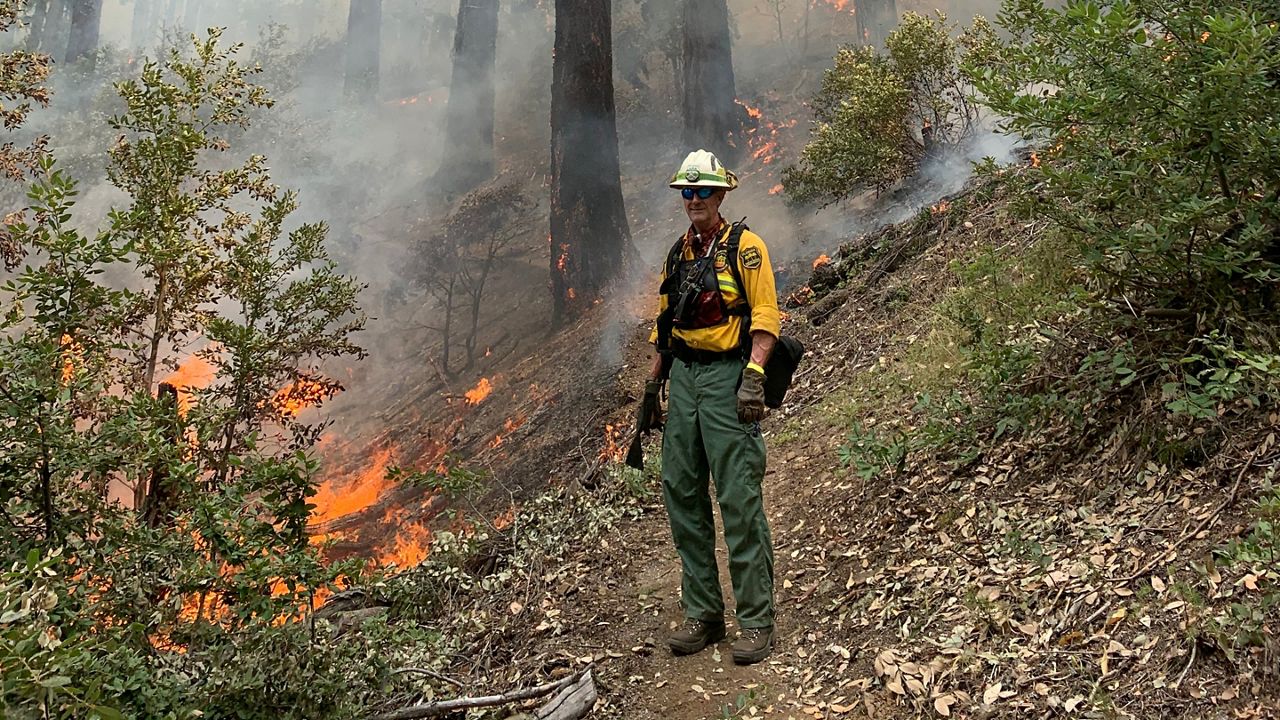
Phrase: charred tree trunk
[590,239]
[364,49]
[158,497]
[468,153]
[876,19]
[39,20]
[86,21]
[711,117]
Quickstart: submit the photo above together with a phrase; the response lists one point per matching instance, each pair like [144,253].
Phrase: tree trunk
[39,19]
[804,36]
[142,32]
[711,117]
[364,49]
[876,19]
[590,238]
[468,154]
[86,20]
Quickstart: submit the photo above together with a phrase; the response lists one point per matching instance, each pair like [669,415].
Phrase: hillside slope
[1056,572]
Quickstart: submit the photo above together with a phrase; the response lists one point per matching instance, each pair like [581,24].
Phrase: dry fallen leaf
[942,704]
[991,694]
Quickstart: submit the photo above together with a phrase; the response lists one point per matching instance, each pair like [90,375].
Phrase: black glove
[751,396]
[650,416]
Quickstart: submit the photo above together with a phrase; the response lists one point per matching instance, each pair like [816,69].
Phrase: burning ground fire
[762,140]
[397,535]
[477,394]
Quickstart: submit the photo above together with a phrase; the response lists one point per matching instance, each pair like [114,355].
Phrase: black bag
[787,353]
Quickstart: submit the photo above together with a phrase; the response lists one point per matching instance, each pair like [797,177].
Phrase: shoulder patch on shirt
[722,260]
[751,258]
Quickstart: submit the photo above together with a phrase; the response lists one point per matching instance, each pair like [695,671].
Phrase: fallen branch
[447,706]
[429,673]
[573,702]
[1231,499]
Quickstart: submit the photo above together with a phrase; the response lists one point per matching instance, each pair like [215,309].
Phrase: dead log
[573,702]
[444,707]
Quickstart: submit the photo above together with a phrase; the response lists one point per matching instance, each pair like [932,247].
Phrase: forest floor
[1052,575]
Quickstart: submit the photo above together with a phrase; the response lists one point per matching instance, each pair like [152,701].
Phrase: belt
[686,354]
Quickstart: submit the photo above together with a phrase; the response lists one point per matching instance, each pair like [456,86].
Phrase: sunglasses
[702,192]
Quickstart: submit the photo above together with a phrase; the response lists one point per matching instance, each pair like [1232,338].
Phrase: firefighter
[718,322]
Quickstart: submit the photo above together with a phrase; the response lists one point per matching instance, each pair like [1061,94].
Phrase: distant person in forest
[717,325]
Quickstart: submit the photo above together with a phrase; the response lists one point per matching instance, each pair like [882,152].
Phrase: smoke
[372,171]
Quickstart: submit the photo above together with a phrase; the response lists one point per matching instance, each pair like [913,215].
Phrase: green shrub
[190,599]
[871,110]
[1159,125]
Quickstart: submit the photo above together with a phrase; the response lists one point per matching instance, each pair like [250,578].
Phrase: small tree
[21,85]
[186,600]
[878,115]
[456,263]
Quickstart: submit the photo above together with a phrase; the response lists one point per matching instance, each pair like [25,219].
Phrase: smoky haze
[372,170]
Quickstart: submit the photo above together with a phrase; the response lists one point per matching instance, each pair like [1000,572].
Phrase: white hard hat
[702,169]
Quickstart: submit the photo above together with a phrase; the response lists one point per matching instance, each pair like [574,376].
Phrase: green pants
[703,438]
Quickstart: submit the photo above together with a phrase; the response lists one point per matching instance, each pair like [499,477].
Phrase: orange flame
[762,139]
[776,189]
[940,208]
[193,374]
[333,502]
[1035,160]
[756,113]
[563,260]
[613,450]
[72,355]
[477,394]
[412,546]
[820,261]
[292,400]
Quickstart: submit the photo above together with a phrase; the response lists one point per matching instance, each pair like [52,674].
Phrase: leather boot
[695,635]
[753,645]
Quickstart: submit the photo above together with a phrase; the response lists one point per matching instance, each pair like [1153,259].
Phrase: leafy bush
[187,599]
[1160,123]
[873,109]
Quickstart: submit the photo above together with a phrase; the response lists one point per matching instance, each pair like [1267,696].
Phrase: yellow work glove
[751,396]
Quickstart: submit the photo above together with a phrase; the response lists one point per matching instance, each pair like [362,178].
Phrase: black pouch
[781,367]
[700,303]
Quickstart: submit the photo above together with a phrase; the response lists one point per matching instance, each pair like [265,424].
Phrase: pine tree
[468,155]
[364,49]
[711,117]
[86,21]
[590,238]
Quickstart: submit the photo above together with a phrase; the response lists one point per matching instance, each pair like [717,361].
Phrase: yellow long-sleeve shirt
[761,294]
